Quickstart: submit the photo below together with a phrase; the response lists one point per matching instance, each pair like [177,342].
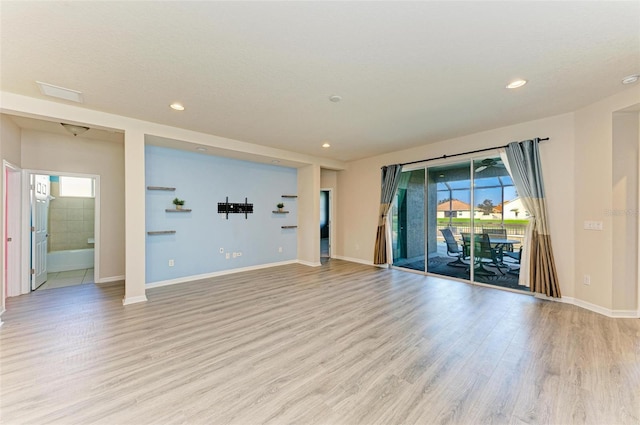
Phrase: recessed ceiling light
[201,149]
[335,98]
[516,83]
[630,79]
[60,92]
[326,145]
[177,106]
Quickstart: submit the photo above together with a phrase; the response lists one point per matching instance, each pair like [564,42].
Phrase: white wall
[60,153]
[360,187]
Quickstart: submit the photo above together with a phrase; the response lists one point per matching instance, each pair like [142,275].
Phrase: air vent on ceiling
[60,92]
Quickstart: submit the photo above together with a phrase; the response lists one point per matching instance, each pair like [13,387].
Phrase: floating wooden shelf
[289,227]
[161,232]
[169,189]
[177,210]
[289,196]
[280,212]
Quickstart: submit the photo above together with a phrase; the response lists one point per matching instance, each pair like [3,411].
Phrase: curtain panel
[390,179]
[526,171]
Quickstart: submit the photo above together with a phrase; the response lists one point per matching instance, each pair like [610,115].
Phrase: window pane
[76,187]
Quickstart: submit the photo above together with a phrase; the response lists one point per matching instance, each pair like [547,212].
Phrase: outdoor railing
[512,229]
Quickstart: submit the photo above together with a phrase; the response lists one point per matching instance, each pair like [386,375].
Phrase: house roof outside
[454,205]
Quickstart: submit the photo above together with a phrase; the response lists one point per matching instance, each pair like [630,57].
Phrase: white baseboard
[627,314]
[215,274]
[309,263]
[359,261]
[134,300]
[630,314]
[110,279]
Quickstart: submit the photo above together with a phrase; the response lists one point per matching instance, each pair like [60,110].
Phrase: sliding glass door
[448,217]
[462,220]
[408,221]
[499,221]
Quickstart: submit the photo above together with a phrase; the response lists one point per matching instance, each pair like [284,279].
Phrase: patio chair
[517,257]
[514,255]
[466,245]
[498,233]
[453,250]
[485,254]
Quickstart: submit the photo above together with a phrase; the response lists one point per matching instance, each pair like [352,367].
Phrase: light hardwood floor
[338,344]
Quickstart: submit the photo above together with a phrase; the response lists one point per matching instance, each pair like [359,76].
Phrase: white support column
[134,187]
[309,215]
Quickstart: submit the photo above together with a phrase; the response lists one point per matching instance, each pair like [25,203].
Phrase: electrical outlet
[227,256]
[280,249]
[593,225]
[235,254]
[221,250]
[586,279]
[171,263]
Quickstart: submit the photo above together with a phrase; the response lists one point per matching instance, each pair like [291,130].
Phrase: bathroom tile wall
[71,221]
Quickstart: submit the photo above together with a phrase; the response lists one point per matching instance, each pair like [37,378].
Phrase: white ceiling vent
[60,92]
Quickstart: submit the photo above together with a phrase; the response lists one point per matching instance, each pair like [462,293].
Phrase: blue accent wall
[203,181]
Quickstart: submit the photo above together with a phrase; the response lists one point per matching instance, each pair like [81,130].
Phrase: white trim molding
[110,279]
[134,300]
[215,274]
[309,263]
[360,261]
[629,314]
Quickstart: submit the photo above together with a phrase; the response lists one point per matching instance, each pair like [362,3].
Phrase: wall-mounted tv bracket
[235,208]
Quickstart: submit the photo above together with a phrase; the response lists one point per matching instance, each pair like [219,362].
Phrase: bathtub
[73,259]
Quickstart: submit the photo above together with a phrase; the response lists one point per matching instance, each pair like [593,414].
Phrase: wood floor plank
[342,343]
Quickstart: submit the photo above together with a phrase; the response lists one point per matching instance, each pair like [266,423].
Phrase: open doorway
[63,216]
[325,224]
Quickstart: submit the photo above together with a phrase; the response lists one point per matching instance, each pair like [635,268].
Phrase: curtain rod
[460,154]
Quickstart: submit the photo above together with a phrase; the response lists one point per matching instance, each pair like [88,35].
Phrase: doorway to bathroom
[63,219]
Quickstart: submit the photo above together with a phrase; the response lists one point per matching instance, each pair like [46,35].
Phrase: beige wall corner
[594,195]
[134,217]
[624,210]
[309,215]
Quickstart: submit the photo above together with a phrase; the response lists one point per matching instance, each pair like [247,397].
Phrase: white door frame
[11,226]
[330,220]
[26,222]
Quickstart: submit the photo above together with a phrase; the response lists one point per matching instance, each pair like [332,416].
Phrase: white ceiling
[409,73]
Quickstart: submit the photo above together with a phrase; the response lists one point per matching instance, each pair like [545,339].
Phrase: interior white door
[40,230]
